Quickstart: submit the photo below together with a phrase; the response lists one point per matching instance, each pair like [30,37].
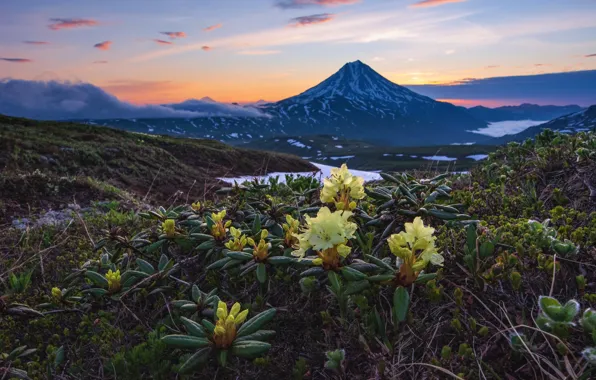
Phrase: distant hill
[355,102]
[142,164]
[522,112]
[576,122]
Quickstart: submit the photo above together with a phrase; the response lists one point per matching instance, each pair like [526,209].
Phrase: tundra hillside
[481,276]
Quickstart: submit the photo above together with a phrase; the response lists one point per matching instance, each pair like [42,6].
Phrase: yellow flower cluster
[327,234]
[196,206]
[415,249]
[219,229]
[290,228]
[169,227]
[261,250]
[238,240]
[114,284]
[342,188]
[226,324]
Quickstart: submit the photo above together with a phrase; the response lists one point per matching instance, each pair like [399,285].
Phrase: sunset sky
[155,51]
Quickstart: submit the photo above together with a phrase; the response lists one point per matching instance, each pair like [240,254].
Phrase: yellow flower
[238,240]
[113,281]
[219,228]
[261,250]
[169,227]
[196,206]
[415,249]
[290,228]
[57,293]
[341,188]
[327,234]
[227,323]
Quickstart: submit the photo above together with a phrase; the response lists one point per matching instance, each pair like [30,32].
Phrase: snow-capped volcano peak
[358,81]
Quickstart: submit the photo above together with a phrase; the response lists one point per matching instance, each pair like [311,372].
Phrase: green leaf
[190,307]
[380,263]
[97,278]
[193,327]
[335,282]
[201,237]
[232,263]
[261,273]
[136,273]
[425,277]
[256,322]
[243,256]
[17,373]
[312,272]
[144,266]
[155,246]
[570,310]
[356,287]
[401,303]
[195,361]
[163,263]
[59,358]
[208,325]
[442,214]
[256,224]
[259,335]
[222,357]
[381,278]
[219,263]
[280,260]
[364,267]
[185,341]
[206,245]
[196,293]
[250,349]
[352,274]
[486,249]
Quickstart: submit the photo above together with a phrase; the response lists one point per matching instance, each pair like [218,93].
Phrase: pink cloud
[99,62]
[289,4]
[162,42]
[174,35]
[69,23]
[311,20]
[590,55]
[434,3]
[16,60]
[103,45]
[207,48]
[212,27]
[36,42]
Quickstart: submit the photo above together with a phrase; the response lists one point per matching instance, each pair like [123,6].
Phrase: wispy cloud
[100,62]
[16,60]
[163,42]
[492,67]
[70,23]
[259,52]
[105,45]
[212,27]
[449,52]
[206,48]
[541,64]
[378,59]
[36,42]
[311,20]
[174,35]
[434,3]
[293,4]
[590,55]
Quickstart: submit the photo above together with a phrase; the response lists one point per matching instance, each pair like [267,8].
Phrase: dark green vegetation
[83,163]
[479,316]
[333,150]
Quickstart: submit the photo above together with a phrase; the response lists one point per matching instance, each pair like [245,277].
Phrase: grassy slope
[105,338]
[133,162]
[372,157]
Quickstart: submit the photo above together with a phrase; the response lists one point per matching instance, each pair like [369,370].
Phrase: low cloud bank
[53,100]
